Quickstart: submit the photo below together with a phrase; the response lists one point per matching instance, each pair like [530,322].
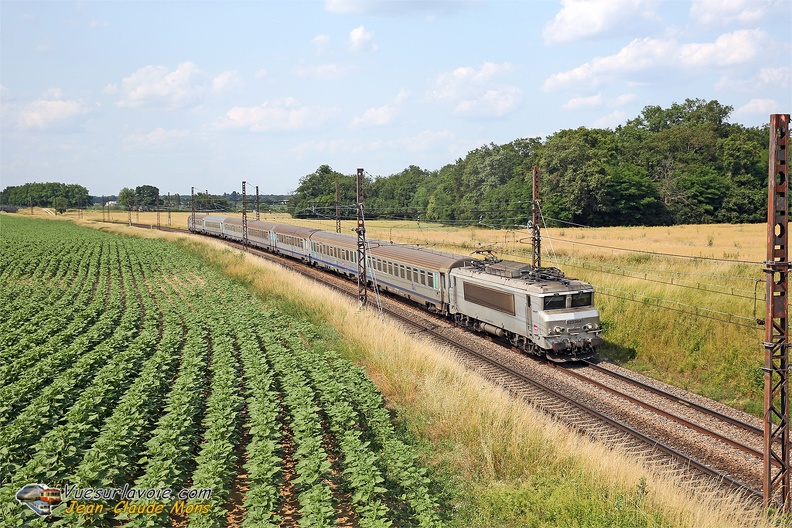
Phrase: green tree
[127,198]
[315,196]
[60,204]
[146,196]
[575,174]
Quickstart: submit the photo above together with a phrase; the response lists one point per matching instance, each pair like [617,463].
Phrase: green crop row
[131,363]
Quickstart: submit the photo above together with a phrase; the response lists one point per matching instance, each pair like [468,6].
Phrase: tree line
[685,164]
[59,196]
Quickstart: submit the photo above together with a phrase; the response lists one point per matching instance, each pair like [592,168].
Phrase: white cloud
[772,79]
[492,103]
[722,13]
[399,7]
[731,48]
[321,43]
[475,92]
[361,40]
[227,81]
[157,137]
[321,72]
[779,77]
[583,103]
[648,54]
[424,141]
[579,19]
[763,107]
[260,74]
[381,115]
[623,100]
[155,86]
[611,120]
[286,114]
[50,114]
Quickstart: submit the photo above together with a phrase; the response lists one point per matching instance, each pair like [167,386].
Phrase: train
[537,310]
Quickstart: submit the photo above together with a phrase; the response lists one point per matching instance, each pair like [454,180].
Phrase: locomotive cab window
[581,299]
[556,302]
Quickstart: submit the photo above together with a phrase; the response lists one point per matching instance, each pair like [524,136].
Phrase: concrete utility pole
[258,205]
[361,242]
[776,343]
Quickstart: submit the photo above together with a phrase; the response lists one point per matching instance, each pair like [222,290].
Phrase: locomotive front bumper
[568,344]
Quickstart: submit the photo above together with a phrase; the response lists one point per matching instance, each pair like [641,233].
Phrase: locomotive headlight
[557,330]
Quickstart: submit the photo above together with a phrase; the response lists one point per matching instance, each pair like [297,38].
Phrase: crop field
[154,391]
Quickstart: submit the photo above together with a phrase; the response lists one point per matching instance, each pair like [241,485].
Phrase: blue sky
[118,94]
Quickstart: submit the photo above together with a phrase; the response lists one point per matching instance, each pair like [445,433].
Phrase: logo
[40,498]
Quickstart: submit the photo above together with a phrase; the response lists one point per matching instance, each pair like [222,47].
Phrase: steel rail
[678,419]
[588,410]
[678,399]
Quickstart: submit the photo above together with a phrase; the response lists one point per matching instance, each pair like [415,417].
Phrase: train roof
[422,257]
[530,285]
[416,256]
[286,229]
[255,224]
[213,218]
[339,239]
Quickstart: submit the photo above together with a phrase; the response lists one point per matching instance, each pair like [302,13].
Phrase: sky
[206,94]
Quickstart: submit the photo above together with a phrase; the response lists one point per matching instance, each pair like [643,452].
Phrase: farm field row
[126,362]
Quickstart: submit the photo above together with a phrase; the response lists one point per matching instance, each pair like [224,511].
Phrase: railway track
[668,431]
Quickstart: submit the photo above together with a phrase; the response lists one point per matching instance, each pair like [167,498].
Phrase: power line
[697,310]
[677,284]
[656,253]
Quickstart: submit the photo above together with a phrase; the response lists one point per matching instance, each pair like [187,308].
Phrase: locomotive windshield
[555,302]
[581,299]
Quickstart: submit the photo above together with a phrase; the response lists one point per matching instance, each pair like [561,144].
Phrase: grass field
[677,303]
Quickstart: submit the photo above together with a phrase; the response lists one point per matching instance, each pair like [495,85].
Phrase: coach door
[528,316]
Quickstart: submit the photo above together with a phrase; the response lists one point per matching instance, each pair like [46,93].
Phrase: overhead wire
[692,310]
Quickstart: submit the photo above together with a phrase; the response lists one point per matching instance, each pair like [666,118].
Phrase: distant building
[111,203]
